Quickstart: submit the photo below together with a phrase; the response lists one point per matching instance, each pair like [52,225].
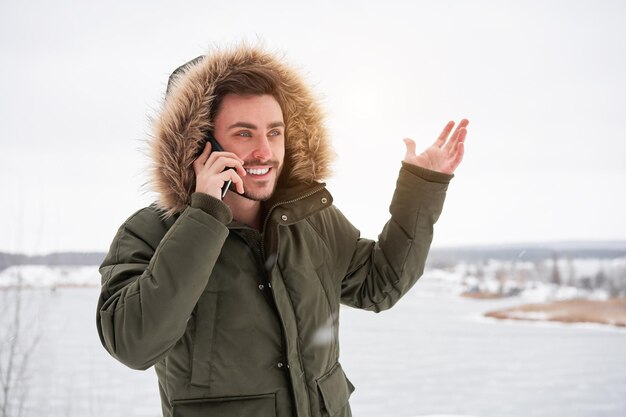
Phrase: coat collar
[288,206]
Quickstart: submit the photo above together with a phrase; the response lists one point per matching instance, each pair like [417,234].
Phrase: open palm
[445,154]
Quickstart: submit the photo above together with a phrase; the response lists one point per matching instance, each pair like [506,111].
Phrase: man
[236,301]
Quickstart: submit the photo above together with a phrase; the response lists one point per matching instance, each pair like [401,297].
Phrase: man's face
[252,127]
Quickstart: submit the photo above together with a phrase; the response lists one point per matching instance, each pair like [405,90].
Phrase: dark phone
[215,146]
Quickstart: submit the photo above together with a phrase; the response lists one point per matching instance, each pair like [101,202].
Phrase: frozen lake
[432,354]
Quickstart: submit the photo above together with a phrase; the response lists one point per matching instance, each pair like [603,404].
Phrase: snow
[43,276]
[526,280]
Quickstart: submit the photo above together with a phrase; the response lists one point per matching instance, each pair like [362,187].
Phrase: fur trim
[184,119]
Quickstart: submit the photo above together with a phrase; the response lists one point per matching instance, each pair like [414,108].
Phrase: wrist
[211,205]
[427,174]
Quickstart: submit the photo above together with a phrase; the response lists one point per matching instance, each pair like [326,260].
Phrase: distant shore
[483,295]
[611,312]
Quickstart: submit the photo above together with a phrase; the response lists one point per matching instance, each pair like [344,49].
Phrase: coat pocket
[204,339]
[335,390]
[263,405]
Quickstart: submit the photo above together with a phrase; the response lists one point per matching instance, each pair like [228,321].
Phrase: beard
[258,196]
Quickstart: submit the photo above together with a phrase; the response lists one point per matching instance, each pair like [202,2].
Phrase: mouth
[258,172]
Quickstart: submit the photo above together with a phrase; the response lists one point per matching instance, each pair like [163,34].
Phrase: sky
[542,83]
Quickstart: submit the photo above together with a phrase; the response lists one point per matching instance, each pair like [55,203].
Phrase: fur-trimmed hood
[180,127]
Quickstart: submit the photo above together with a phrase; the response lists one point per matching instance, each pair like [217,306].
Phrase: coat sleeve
[379,273]
[152,278]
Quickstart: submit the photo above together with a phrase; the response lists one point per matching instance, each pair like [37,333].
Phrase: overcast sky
[542,83]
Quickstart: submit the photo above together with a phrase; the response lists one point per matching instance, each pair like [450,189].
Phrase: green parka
[245,323]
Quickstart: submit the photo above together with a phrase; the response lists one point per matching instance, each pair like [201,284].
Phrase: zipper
[271,291]
[268,294]
[269,298]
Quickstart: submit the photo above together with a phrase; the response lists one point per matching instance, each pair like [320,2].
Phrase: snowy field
[433,354]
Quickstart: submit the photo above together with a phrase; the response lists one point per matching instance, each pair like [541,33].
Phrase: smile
[257,171]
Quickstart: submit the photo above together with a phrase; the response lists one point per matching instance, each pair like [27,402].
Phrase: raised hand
[445,154]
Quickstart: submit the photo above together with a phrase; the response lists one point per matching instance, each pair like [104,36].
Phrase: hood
[180,127]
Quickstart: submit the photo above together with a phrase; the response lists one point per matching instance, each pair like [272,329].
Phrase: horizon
[601,245]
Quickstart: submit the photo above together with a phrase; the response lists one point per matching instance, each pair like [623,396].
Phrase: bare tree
[555,278]
[15,351]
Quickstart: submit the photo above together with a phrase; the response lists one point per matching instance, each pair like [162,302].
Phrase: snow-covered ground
[451,282]
[548,280]
[43,276]
[432,354]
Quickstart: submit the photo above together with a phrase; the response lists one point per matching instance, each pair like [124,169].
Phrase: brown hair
[257,80]
[252,80]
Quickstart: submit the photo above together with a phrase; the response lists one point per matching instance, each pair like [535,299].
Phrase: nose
[262,149]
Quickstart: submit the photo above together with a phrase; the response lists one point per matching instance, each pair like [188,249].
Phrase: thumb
[410,148]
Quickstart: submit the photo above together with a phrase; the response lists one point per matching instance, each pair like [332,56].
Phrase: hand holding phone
[215,146]
[223,169]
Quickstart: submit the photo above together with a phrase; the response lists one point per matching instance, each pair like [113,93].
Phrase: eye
[244,134]
[275,132]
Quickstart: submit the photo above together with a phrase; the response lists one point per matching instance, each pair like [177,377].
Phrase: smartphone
[215,146]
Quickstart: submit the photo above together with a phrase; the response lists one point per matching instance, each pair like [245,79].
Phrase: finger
[450,144]
[214,156]
[459,140]
[222,162]
[231,175]
[462,125]
[462,135]
[203,157]
[241,170]
[444,134]
[410,147]
[460,150]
